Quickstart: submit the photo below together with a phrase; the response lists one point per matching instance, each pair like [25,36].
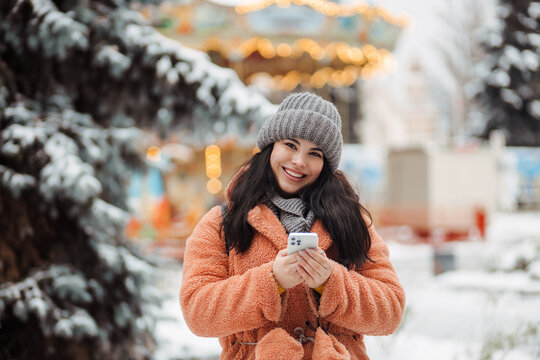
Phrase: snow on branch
[16,138]
[14,181]
[175,60]
[110,57]
[67,175]
[78,325]
[104,222]
[35,295]
[58,32]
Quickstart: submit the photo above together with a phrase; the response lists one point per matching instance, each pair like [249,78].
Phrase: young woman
[239,283]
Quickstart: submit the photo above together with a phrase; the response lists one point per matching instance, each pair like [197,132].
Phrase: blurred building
[399,117]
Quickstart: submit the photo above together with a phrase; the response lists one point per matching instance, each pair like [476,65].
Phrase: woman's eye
[291,145]
[316,154]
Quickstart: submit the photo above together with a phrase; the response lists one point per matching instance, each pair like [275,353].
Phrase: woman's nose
[298,159]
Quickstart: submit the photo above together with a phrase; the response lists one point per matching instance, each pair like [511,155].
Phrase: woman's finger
[311,266]
[304,274]
[313,258]
[315,254]
[320,259]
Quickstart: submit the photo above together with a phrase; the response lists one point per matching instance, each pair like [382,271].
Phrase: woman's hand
[314,267]
[285,270]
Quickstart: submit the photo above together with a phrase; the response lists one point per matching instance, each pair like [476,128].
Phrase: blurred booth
[442,194]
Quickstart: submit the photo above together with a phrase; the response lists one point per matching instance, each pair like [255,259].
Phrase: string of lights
[334,50]
[212,155]
[361,62]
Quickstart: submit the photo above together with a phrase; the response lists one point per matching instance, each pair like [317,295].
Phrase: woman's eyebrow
[298,143]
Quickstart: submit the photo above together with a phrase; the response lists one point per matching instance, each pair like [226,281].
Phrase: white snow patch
[163,65]
[23,135]
[79,325]
[534,270]
[513,57]
[19,114]
[510,97]
[66,174]
[534,10]
[534,39]
[499,78]
[15,181]
[534,108]
[110,255]
[135,265]
[117,62]
[527,21]
[530,60]
[39,307]
[518,282]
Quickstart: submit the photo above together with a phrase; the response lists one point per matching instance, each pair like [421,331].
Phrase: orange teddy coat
[235,297]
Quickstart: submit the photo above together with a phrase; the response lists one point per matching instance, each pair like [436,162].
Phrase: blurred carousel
[280,45]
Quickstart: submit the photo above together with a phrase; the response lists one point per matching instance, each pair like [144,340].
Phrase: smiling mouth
[294,174]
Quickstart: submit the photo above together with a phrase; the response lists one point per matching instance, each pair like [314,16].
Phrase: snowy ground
[481,310]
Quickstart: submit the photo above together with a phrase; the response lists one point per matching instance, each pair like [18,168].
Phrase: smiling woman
[317,303]
[296,163]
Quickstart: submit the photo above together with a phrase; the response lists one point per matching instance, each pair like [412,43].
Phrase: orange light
[343,52]
[357,55]
[368,49]
[212,150]
[214,186]
[153,154]
[374,58]
[284,50]
[316,52]
[213,170]
[213,161]
[267,51]
[335,79]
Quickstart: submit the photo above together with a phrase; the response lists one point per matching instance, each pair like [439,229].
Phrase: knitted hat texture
[309,117]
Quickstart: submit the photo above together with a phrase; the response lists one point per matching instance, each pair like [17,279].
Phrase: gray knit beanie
[309,117]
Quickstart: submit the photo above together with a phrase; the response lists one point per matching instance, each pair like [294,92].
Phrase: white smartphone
[300,241]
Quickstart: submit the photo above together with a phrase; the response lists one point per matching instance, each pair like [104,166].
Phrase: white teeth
[296,175]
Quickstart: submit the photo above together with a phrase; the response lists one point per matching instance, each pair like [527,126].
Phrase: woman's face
[296,163]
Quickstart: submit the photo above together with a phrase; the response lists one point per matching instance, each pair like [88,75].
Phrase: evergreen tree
[511,91]
[78,80]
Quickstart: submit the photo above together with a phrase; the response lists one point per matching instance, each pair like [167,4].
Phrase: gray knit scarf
[291,214]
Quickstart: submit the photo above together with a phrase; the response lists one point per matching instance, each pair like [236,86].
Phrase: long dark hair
[331,197]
